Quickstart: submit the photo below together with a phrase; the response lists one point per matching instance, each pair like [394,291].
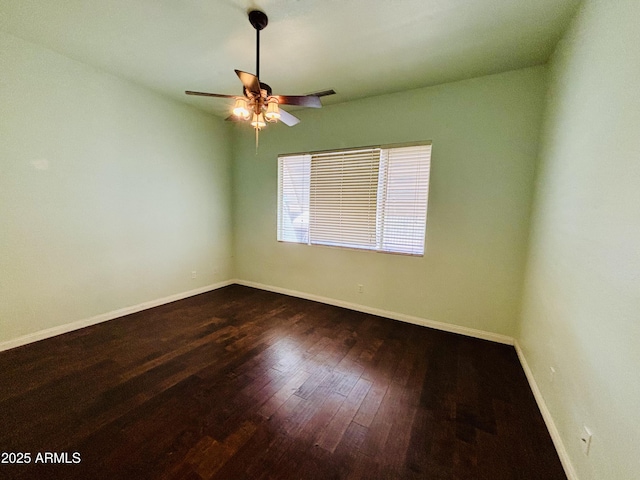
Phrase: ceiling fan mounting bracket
[258,19]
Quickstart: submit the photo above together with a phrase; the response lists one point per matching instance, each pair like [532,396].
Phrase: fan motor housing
[264,86]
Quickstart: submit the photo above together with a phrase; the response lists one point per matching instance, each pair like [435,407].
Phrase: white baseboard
[447,327]
[69,327]
[546,415]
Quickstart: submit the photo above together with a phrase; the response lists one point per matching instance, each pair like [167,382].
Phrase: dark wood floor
[241,383]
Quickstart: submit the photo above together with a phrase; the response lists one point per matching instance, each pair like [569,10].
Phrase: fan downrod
[258,19]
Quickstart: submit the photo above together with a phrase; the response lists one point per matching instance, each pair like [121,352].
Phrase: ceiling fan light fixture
[240,108]
[273,112]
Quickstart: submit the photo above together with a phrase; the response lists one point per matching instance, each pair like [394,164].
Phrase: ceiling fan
[257,103]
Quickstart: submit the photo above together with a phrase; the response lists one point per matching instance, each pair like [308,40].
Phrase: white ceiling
[358,47]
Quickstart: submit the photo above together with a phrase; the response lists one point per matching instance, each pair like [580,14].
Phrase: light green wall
[109,194]
[485,135]
[581,307]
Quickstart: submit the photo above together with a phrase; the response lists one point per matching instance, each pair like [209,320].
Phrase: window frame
[380,201]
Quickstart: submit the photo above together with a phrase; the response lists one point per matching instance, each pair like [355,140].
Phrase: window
[366,198]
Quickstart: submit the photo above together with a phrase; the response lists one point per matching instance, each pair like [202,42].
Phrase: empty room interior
[164,314]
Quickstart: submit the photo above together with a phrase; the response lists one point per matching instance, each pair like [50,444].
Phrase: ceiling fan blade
[288,119]
[204,94]
[302,100]
[323,93]
[250,81]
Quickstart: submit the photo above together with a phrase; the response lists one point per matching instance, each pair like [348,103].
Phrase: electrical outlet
[194,274]
[585,439]
[360,288]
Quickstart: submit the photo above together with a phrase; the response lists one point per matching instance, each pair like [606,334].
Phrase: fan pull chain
[257,132]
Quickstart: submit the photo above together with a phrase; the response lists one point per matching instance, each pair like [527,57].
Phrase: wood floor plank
[371,403]
[330,437]
[288,389]
[243,383]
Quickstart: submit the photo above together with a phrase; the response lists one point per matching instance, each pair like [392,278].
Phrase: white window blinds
[293,198]
[402,200]
[369,198]
[343,199]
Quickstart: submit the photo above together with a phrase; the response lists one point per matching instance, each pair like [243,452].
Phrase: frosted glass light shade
[258,121]
[273,112]
[240,108]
